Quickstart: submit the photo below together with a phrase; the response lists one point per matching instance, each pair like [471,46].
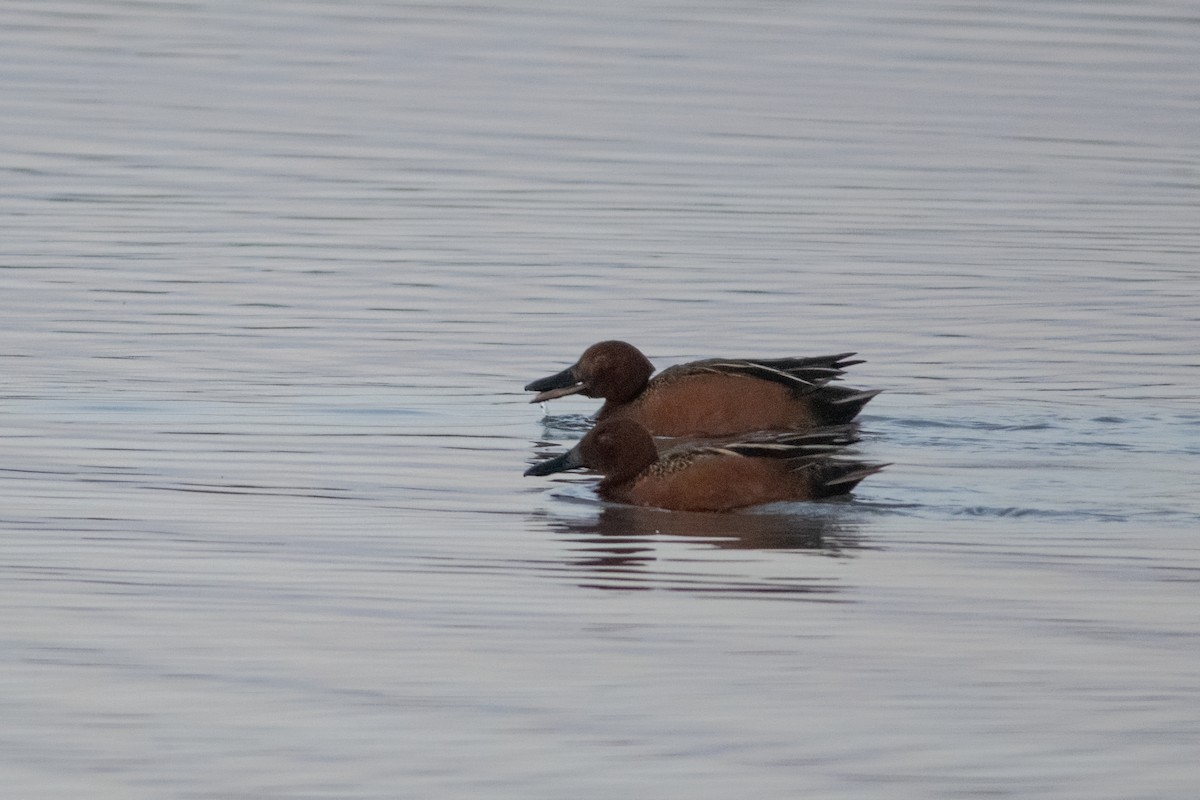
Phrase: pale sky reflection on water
[274,275]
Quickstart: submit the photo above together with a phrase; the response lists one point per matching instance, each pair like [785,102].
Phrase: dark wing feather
[787,446]
[801,380]
[837,362]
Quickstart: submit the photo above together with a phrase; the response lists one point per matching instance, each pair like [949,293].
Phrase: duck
[714,477]
[712,397]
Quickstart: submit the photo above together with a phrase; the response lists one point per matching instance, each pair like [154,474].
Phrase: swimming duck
[713,477]
[713,397]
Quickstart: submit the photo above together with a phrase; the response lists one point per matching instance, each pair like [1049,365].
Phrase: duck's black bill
[568,460]
[560,384]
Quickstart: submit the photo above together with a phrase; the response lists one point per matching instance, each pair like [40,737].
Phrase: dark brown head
[616,371]
[618,448]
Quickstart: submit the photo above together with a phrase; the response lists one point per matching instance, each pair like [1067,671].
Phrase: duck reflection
[635,548]
[824,531]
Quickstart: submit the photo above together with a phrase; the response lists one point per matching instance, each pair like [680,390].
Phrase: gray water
[273,275]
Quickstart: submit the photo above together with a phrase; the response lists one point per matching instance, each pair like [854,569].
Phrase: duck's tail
[837,405]
[833,477]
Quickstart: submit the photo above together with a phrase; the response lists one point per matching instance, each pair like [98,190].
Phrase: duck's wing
[839,361]
[797,378]
[816,443]
[787,445]
[820,453]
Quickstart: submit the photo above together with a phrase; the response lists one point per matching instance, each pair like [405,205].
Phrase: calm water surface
[273,275]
